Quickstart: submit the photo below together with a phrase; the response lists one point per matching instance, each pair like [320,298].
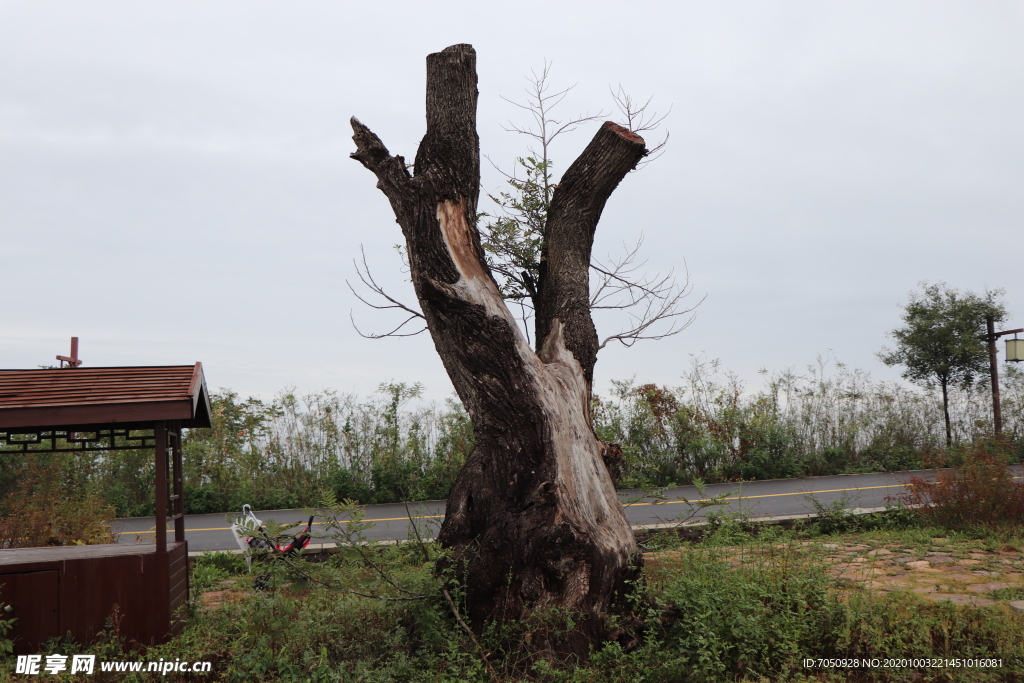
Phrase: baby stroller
[248,524]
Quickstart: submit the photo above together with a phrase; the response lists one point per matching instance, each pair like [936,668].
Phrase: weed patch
[739,605]
[980,492]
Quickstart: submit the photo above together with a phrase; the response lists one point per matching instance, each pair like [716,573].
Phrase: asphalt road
[775,498]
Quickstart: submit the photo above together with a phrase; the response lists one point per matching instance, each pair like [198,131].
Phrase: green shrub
[757,620]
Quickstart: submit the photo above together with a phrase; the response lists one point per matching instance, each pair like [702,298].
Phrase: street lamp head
[1014,350]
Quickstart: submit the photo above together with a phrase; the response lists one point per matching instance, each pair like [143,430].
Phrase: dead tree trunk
[533,519]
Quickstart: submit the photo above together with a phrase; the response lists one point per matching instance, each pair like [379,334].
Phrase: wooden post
[73,360]
[997,412]
[160,436]
[177,478]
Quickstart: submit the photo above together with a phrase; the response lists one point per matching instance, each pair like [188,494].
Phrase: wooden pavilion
[74,589]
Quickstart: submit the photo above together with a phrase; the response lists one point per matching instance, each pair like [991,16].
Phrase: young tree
[533,520]
[943,339]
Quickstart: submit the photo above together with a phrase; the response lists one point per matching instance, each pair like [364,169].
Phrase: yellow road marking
[767,495]
[152,530]
[667,502]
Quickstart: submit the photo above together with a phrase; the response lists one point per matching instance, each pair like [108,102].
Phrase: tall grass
[830,419]
[280,454]
[391,446]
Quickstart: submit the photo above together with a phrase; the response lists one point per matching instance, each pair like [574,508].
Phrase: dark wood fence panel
[77,589]
[36,603]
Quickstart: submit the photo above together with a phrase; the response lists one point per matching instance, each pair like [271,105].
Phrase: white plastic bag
[242,529]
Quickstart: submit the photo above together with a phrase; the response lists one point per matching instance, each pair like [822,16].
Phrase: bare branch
[539,104]
[638,119]
[393,333]
[648,300]
[525,314]
[465,627]
[367,279]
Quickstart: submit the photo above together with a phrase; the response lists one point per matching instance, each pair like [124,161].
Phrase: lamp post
[1014,353]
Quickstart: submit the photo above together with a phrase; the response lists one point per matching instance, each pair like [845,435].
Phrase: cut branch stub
[575,209]
[450,151]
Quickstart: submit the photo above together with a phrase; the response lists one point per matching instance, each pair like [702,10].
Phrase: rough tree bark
[533,519]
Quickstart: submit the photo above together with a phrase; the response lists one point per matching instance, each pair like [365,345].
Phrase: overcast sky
[175,182]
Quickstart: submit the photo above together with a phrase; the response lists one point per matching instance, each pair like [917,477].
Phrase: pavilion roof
[102,396]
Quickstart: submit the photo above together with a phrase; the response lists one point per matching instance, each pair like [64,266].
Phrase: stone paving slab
[940,574]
